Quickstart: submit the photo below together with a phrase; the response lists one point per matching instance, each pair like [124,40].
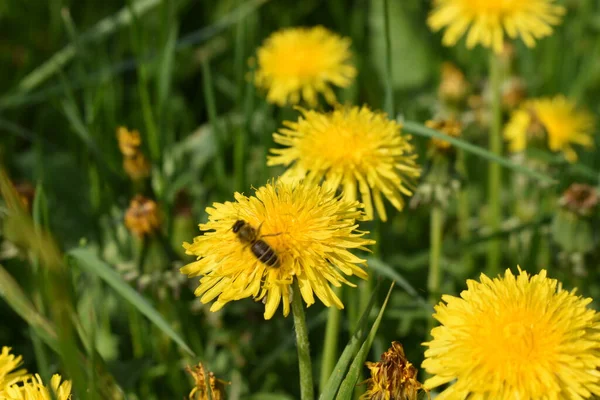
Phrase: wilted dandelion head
[393,377]
[487,21]
[306,233]
[34,389]
[556,122]
[352,148]
[450,127]
[513,337]
[200,391]
[8,368]
[580,198]
[453,84]
[297,63]
[142,217]
[137,166]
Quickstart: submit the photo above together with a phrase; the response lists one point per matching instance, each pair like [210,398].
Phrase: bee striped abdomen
[264,253]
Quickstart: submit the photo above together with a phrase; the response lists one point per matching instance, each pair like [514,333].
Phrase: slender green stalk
[464,211]
[330,345]
[389,89]
[302,344]
[494,172]
[435,252]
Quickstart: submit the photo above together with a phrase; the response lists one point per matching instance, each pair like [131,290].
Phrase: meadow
[276,200]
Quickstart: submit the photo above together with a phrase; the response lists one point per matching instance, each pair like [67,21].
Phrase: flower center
[492,7]
[300,60]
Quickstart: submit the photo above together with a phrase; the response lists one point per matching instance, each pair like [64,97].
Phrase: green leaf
[421,130]
[349,352]
[92,264]
[389,272]
[348,385]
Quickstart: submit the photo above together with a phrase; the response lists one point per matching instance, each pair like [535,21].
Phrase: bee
[250,236]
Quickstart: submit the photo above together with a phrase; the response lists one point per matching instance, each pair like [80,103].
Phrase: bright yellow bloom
[304,230]
[488,20]
[34,389]
[129,141]
[392,378]
[8,368]
[555,120]
[353,148]
[296,63]
[512,338]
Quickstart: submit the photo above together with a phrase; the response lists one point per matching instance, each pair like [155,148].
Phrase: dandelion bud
[200,391]
[513,92]
[580,198]
[450,127]
[453,85]
[129,141]
[137,167]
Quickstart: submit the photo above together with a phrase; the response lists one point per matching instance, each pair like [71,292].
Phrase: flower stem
[435,251]
[464,211]
[330,345]
[494,171]
[302,344]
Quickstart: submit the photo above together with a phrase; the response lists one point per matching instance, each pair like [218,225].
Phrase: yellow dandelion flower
[8,368]
[353,148]
[129,141]
[34,389]
[143,216]
[450,127]
[297,63]
[487,21]
[393,377]
[554,120]
[515,337]
[256,246]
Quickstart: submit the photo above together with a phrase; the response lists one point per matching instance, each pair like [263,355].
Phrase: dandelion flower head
[143,216]
[200,391]
[556,121]
[297,63]
[8,368]
[487,21]
[34,389]
[352,148]
[515,337]
[393,377]
[309,228]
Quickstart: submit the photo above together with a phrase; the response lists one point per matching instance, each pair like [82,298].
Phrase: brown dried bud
[450,127]
[137,167]
[453,85]
[580,198]
[513,92]
[393,377]
[26,193]
[142,216]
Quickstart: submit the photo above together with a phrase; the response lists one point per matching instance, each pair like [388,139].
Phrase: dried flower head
[142,217]
[352,148]
[487,21]
[556,121]
[580,198]
[34,389]
[137,166]
[200,391]
[450,127]
[514,92]
[256,246]
[453,84]
[393,377]
[9,373]
[512,338]
[297,63]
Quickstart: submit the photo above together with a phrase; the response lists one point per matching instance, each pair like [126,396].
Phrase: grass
[81,296]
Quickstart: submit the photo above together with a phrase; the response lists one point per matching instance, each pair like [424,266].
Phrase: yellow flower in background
[299,231]
[393,377]
[143,216]
[352,148]
[297,63]
[555,121]
[135,164]
[8,368]
[34,389]
[200,391]
[487,21]
[129,141]
[515,337]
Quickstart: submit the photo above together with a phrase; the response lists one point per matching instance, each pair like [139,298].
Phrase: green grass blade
[92,264]
[103,28]
[386,270]
[348,385]
[421,130]
[352,348]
